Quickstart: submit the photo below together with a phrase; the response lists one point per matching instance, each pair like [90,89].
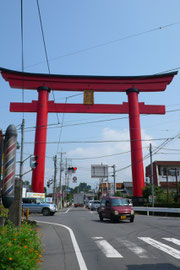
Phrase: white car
[90,203]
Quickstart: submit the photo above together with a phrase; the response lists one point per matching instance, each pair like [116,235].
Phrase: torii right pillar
[136,145]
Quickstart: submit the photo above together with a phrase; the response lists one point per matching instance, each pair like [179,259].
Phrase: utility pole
[114,176]
[22,150]
[60,178]
[176,175]
[152,180]
[167,186]
[55,172]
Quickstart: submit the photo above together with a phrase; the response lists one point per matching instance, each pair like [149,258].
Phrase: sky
[109,38]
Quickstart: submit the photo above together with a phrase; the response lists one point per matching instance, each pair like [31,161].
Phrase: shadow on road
[107,221]
[160,266]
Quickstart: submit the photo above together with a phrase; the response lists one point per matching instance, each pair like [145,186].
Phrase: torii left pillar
[40,139]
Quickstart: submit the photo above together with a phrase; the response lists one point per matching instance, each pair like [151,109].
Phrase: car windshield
[96,202]
[119,202]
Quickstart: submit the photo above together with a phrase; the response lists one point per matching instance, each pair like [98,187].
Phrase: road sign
[74,179]
[99,171]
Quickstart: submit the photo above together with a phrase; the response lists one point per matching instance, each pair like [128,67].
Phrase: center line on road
[107,249]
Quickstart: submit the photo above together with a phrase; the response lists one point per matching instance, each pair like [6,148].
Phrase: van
[115,209]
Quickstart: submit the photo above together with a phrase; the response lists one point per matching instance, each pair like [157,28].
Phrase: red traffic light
[72,169]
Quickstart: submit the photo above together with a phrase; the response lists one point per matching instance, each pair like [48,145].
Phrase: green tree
[83,187]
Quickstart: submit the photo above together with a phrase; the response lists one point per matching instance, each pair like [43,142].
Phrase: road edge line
[81,262]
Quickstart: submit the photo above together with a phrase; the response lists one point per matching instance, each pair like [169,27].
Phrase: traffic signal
[33,161]
[48,184]
[72,169]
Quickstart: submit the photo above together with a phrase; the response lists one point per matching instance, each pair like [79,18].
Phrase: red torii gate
[132,85]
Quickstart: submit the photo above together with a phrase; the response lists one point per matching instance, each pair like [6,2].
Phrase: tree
[82,187]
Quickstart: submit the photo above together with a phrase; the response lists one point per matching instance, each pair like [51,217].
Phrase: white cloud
[119,154]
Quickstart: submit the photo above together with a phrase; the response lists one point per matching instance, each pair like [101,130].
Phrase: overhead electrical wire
[22,54]
[46,53]
[154,151]
[102,141]
[55,125]
[110,42]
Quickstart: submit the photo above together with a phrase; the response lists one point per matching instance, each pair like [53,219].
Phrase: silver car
[95,205]
[35,206]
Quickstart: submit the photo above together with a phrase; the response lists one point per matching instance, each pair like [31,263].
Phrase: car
[115,209]
[89,204]
[86,204]
[95,205]
[36,206]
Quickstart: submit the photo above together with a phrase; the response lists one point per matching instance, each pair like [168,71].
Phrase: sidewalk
[58,251]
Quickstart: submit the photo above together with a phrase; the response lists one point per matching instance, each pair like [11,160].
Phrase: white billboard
[99,171]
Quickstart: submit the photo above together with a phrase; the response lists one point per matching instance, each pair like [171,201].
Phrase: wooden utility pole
[55,173]
[114,176]
[167,186]
[152,179]
[60,177]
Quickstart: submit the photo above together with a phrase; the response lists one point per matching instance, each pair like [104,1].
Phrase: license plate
[123,217]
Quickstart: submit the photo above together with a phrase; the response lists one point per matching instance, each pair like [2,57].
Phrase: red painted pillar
[40,139]
[136,145]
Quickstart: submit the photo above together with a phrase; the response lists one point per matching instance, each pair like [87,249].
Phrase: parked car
[115,209]
[89,204]
[86,204]
[35,206]
[95,204]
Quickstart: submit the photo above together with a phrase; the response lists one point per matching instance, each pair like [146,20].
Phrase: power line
[102,141]
[55,125]
[110,42]
[155,151]
[45,49]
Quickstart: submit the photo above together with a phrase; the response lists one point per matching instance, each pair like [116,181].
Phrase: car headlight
[132,212]
[116,212]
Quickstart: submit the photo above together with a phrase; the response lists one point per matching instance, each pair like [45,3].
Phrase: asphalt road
[76,240]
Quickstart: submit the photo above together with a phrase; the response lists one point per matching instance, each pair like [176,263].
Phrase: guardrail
[157,209]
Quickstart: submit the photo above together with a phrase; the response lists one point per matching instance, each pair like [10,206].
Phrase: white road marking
[97,237]
[107,249]
[173,240]
[142,253]
[169,250]
[78,253]
[67,211]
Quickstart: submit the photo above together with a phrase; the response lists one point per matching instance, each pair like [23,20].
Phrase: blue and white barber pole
[9,166]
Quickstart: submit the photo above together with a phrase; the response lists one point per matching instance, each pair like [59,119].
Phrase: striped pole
[9,166]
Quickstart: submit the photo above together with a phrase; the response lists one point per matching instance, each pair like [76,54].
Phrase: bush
[20,248]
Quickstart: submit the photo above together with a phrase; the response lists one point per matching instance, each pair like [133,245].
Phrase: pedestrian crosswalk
[163,245]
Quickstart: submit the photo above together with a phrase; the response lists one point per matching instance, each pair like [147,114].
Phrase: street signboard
[74,179]
[99,171]
[35,195]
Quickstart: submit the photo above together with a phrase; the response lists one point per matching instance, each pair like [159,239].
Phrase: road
[76,239]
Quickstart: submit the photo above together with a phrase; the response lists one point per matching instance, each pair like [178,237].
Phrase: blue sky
[121,38]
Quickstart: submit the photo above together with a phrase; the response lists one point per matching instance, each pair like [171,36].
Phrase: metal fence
[157,210]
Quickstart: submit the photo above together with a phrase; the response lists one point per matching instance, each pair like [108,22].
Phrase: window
[103,202]
[107,203]
[119,202]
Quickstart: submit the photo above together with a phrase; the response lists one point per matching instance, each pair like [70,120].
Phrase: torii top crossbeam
[132,85]
[152,83]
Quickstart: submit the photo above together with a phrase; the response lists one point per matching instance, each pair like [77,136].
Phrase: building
[165,174]
[125,187]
